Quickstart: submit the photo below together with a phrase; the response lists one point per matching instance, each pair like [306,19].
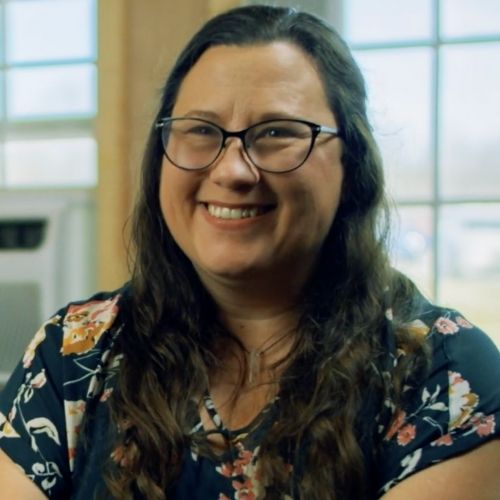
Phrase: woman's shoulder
[67,368]
[110,300]
[455,407]
[81,328]
[83,323]
[455,343]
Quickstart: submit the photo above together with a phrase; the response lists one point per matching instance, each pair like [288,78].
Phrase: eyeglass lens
[278,145]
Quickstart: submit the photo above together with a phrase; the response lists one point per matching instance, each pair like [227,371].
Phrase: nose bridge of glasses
[240,134]
[241,149]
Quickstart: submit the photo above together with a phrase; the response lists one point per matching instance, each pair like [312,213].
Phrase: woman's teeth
[232,213]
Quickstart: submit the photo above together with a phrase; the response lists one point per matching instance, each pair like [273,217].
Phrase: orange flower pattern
[45,400]
[84,324]
[68,372]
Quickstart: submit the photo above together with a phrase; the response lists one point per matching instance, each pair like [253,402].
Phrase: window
[433,74]
[48,101]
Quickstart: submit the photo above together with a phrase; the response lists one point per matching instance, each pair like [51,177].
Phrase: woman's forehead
[264,78]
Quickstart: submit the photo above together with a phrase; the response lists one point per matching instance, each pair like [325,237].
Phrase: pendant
[253,364]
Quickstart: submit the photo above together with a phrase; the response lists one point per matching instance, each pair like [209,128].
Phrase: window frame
[438,203]
[50,126]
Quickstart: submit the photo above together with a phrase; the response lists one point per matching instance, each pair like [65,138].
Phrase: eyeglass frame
[316,130]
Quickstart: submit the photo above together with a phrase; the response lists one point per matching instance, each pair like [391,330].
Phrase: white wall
[36,282]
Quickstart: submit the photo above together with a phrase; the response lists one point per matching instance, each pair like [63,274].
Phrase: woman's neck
[255,314]
[264,318]
[259,306]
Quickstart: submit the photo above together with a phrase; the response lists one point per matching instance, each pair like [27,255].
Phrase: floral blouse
[67,373]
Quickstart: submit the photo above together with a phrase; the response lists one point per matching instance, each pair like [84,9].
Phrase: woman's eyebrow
[200,113]
[268,115]
[278,115]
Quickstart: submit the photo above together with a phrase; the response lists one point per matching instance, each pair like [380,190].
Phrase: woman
[263,348]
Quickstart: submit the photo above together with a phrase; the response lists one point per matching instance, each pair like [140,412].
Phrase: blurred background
[79,82]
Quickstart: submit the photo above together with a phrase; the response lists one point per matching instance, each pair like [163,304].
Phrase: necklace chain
[254,358]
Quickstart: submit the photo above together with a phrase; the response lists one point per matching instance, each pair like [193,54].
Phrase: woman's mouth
[236,213]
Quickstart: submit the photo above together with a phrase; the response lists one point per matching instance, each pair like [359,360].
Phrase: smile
[235,213]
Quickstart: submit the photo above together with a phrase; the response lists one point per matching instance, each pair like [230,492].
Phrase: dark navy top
[67,374]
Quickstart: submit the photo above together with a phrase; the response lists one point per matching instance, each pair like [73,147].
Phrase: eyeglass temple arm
[328,130]
[160,123]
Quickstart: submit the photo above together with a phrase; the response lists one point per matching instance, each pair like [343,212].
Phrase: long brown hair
[341,349]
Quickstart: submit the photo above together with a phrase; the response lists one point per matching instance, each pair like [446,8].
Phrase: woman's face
[290,213]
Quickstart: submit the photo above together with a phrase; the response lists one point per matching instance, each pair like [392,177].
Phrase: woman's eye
[276,132]
[202,130]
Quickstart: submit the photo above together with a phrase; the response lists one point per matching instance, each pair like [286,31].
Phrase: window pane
[2,103]
[411,248]
[469,247]
[399,98]
[57,90]
[51,162]
[463,17]
[470,132]
[387,20]
[41,30]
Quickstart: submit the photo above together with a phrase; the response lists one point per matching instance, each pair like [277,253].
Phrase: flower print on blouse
[45,400]
[67,373]
[235,473]
[84,325]
[454,410]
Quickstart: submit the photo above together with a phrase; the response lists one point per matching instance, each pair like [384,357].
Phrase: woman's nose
[233,169]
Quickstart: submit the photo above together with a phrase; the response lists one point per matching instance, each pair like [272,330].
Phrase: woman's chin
[230,271]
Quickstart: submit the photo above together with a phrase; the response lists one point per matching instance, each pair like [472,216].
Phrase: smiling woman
[293,212]
[264,348]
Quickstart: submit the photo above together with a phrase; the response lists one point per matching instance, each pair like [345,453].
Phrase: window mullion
[435,124]
[3,90]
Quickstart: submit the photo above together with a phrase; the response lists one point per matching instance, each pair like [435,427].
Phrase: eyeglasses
[273,145]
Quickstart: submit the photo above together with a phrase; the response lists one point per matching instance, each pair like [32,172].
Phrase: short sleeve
[454,410]
[45,399]
[32,423]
